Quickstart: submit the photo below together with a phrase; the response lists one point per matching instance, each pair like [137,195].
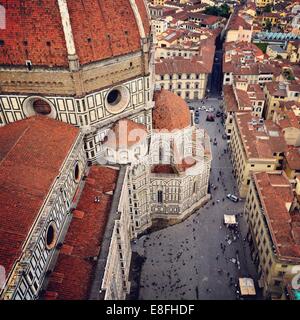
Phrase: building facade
[255,146]
[273,230]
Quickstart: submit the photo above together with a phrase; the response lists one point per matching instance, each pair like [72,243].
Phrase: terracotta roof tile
[30,160]
[259,140]
[77,266]
[229,99]
[275,192]
[292,157]
[101,29]
[170,112]
[126,133]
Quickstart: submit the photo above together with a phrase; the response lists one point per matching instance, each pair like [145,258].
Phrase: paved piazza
[186,261]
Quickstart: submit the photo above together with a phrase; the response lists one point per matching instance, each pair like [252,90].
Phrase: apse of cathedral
[91,155]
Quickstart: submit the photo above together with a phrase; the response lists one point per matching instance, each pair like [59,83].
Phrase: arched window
[195,188]
[160,196]
[161,155]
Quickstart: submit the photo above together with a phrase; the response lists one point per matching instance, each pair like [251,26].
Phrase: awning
[229,219]
[247,287]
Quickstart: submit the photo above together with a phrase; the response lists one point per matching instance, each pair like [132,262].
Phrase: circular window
[77,172]
[117,99]
[114,97]
[51,236]
[38,106]
[41,107]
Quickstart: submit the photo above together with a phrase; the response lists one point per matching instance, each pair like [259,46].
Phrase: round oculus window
[114,97]
[117,99]
[51,236]
[38,106]
[41,107]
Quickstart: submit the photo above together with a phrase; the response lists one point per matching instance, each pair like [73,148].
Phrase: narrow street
[186,261]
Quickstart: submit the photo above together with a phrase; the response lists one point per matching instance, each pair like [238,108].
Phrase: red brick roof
[259,140]
[229,99]
[126,133]
[236,22]
[101,29]
[198,64]
[163,168]
[275,192]
[171,111]
[293,158]
[75,268]
[32,152]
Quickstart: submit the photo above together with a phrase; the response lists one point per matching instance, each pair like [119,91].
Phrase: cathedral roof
[100,30]
[170,112]
[74,272]
[32,152]
[125,133]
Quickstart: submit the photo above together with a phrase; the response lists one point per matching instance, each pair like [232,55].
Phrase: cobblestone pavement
[185,261]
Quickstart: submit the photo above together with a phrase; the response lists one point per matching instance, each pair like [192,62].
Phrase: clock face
[117,99]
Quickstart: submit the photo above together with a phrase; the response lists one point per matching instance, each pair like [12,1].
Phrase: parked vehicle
[197,120]
[210,117]
[232,197]
[218,114]
[197,112]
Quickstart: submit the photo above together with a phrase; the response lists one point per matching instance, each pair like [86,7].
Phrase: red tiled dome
[101,29]
[170,111]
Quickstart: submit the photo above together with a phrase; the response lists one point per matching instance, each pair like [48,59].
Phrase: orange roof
[198,64]
[259,140]
[275,192]
[287,119]
[163,168]
[171,111]
[32,152]
[101,29]
[126,133]
[229,99]
[236,22]
[75,269]
[293,158]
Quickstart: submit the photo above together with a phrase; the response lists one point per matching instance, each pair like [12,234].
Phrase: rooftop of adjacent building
[261,139]
[230,102]
[276,88]
[287,117]
[202,63]
[125,133]
[237,22]
[276,196]
[74,272]
[32,153]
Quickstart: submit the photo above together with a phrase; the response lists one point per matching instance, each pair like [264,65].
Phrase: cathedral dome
[47,33]
[170,112]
